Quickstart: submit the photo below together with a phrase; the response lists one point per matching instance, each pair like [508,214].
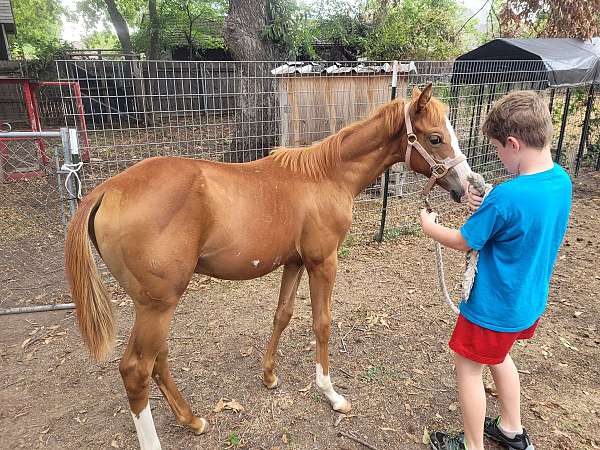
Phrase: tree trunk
[257,113]
[120,26]
[132,68]
[244,26]
[154,30]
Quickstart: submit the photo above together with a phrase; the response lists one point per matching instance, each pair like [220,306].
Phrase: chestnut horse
[164,219]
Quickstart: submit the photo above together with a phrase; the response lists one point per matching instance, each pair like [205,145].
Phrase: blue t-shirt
[518,230]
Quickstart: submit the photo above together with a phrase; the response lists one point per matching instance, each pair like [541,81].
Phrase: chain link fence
[34,209]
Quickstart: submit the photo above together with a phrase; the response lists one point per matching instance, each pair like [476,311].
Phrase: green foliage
[422,29]
[94,12]
[194,23]
[299,30]
[289,28]
[377,29]
[39,29]
[411,29]
[105,40]
[342,24]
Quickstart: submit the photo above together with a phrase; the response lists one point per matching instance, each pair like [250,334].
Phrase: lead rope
[472,256]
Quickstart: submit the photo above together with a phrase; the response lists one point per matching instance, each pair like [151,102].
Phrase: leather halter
[438,169]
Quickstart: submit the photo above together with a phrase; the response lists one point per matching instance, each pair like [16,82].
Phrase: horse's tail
[92,300]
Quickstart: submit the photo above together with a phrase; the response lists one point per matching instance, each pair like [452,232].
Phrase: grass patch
[344,249]
[412,229]
[372,373]
[234,440]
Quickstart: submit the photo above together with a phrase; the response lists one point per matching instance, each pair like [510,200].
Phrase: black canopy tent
[505,64]
[561,62]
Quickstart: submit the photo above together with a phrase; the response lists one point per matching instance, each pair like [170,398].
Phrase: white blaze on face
[462,169]
[146,433]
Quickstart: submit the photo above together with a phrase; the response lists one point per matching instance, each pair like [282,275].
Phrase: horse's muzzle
[456,195]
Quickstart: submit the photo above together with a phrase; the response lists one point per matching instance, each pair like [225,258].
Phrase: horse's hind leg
[146,340]
[145,357]
[292,273]
[181,409]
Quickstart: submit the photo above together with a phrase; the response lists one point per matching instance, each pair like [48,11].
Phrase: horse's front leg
[321,279]
[290,279]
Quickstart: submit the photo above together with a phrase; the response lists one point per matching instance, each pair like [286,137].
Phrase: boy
[518,230]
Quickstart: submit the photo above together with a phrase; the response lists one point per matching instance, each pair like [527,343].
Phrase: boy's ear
[514,143]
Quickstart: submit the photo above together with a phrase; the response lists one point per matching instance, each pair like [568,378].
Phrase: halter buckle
[439,170]
[412,138]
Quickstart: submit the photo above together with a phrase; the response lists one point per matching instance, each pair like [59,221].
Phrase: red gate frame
[30,89]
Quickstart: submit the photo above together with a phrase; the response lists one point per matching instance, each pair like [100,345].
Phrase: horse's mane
[316,160]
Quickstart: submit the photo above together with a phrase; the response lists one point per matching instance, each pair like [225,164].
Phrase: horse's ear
[416,93]
[424,97]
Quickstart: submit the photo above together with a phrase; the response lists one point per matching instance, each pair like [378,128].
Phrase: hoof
[199,425]
[272,384]
[343,407]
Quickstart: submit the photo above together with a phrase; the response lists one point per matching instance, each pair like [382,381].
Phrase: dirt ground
[388,357]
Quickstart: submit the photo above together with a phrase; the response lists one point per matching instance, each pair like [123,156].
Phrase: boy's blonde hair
[523,115]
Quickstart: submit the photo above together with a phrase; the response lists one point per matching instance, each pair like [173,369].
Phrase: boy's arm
[448,237]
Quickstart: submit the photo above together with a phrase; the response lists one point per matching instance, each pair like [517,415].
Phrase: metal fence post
[551,102]
[563,126]
[386,176]
[585,128]
[70,152]
[75,159]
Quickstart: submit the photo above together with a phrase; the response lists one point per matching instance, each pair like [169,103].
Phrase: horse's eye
[435,139]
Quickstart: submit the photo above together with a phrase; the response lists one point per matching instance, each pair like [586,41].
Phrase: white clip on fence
[72,170]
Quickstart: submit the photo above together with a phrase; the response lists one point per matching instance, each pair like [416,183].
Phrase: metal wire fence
[128,110]
[33,214]
[239,111]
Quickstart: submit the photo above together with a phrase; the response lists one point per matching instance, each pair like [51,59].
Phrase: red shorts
[482,345]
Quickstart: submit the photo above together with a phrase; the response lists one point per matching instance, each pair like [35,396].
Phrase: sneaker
[443,441]
[520,441]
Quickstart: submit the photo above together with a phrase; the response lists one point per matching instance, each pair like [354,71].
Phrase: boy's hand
[427,219]
[444,235]
[474,198]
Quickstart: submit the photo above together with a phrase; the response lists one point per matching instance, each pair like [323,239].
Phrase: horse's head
[431,145]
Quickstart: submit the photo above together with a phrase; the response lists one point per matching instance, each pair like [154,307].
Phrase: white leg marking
[146,433]
[324,383]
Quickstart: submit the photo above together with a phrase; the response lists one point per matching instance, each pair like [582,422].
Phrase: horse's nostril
[456,195]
